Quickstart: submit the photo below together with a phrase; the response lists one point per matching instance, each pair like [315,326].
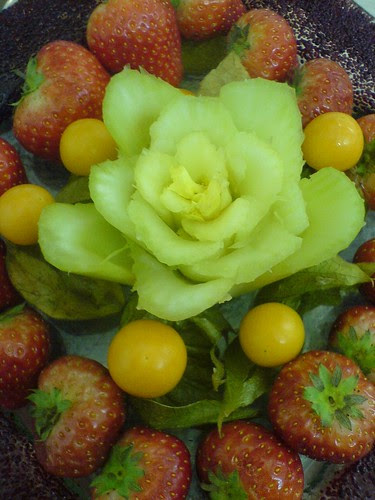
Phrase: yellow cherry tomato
[20,209]
[84,143]
[271,334]
[147,358]
[333,140]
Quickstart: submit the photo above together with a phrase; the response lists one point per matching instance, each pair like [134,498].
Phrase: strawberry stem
[49,406]
[121,472]
[361,349]
[33,79]
[224,487]
[333,397]
[238,39]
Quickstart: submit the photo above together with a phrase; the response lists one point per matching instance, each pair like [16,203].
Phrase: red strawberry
[201,19]
[12,171]
[353,334]
[24,350]
[363,174]
[265,43]
[64,82]
[145,464]
[322,406]
[78,413]
[322,85]
[8,294]
[366,253]
[247,461]
[141,34]
[367,124]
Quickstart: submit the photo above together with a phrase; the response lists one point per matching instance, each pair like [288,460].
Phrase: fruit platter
[187,249]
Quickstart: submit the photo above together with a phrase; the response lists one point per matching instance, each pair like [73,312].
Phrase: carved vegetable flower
[205,199]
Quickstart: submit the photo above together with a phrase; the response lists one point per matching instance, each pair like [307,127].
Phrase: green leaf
[202,412]
[244,381]
[121,472]
[58,294]
[325,283]
[47,409]
[200,57]
[75,191]
[229,70]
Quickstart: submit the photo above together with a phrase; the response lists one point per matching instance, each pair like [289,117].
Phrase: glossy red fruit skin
[266,467]
[12,171]
[366,253]
[300,427]
[140,33]
[165,461]
[322,85]
[202,19]
[73,88]
[367,124]
[272,47]
[82,437]
[9,296]
[362,319]
[24,350]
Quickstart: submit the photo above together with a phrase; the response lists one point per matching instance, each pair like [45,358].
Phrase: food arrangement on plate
[187,255]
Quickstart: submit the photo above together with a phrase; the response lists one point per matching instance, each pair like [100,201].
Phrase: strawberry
[140,34]
[363,174]
[245,460]
[367,124]
[24,350]
[353,334]
[8,294]
[145,464]
[201,19]
[366,253]
[323,406]
[265,43]
[322,85]
[64,82]
[12,171]
[78,412]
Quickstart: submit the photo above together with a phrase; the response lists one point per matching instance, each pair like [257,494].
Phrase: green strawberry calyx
[366,164]
[238,39]
[48,407]
[298,81]
[121,472]
[32,80]
[224,487]
[359,348]
[333,397]
[175,3]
